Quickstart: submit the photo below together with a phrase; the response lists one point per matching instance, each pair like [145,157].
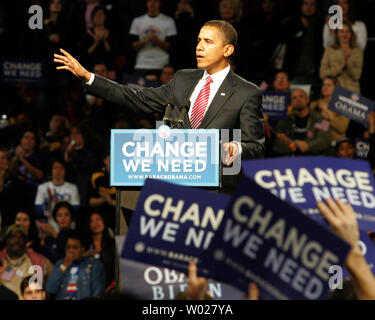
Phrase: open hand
[71,64]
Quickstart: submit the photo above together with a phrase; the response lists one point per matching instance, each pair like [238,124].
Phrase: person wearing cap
[16,260]
[345,148]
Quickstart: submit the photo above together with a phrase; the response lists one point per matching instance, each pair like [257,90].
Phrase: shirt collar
[217,77]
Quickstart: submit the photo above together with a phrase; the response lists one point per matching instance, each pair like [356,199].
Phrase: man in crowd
[17,259]
[303,131]
[76,277]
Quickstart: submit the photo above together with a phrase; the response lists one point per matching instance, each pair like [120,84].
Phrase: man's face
[77,136]
[16,244]
[28,141]
[55,124]
[346,150]
[58,171]
[101,70]
[299,100]
[74,248]
[153,7]
[211,51]
[308,8]
[281,82]
[166,75]
[34,292]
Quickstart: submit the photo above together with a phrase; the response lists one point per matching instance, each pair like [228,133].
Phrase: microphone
[167,114]
[185,106]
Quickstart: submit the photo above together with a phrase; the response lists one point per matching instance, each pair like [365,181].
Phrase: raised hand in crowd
[197,286]
[342,220]
[253,292]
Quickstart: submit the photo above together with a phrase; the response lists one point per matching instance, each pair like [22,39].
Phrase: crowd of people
[57,208]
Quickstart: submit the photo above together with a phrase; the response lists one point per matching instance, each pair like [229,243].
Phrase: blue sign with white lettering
[173,225]
[275,104]
[187,157]
[362,147]
[304,181]
[265,240]
[155,283]
[351,105]
[29,71]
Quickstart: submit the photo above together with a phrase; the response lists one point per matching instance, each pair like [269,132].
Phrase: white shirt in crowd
[151,56]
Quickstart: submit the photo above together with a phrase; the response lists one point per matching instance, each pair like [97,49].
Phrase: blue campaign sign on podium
[181,156]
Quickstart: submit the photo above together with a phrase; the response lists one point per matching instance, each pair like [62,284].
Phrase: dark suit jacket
[237,104]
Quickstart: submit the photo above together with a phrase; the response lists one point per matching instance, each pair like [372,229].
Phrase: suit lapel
[222,95]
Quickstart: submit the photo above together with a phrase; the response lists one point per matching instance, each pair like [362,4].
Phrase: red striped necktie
[200,105]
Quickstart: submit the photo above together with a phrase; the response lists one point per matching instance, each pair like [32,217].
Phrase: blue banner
[173,225]
[304,181]
[275,104]
[265,240]
[362,147]
[187,157]
[351,105]
[29,71]
[155,283]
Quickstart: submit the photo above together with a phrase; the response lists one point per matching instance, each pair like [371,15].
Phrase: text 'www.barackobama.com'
[165,176]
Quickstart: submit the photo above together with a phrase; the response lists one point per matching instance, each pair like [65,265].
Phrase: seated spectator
[17,259]
[167,74]
[52,242]
[25,219]
[81,163]
[31,290]
[76,277]
[27,165]
[303,131]
[98,43]
[338,122]
[281,82]
[103,195]
[343,60]
[51,192]
[151,36]
[9,190]
[345,148]
[53,139]
[349,15]
[101,245]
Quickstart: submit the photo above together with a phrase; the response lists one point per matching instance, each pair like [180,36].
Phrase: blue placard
[351,105]
[29,71]
[267,241]
[155,283]
[303,181]
[187,157]
[173,225]
[275,104]
[362,147]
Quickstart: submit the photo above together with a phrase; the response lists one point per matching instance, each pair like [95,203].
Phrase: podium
[181,156]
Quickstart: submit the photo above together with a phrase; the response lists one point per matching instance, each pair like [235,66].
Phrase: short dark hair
[96,9]
[228,31]
[74,234]
[26,281]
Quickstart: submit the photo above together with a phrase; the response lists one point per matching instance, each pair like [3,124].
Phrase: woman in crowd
[100,244]
[349,16]
[52,243]
[343,60]
[25,219]
[338,122]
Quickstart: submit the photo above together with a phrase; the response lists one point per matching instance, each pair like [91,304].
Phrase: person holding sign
[338,122]
[343,60]
[218,97]
[342,219]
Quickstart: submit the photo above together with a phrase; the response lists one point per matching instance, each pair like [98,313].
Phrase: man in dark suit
[219,98]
